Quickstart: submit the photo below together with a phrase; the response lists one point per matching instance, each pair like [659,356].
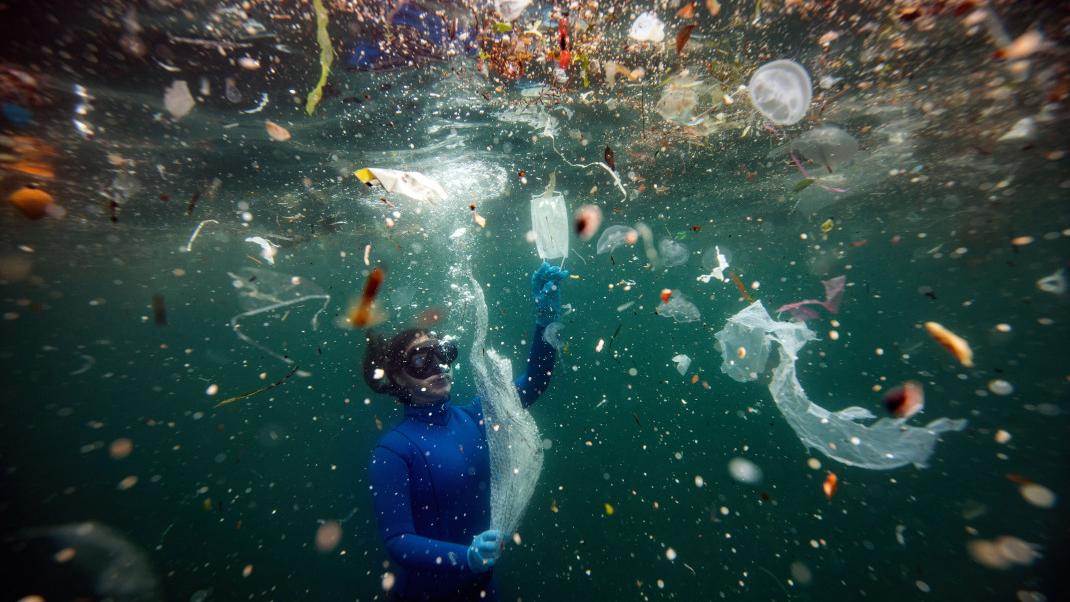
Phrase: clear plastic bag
[746,342]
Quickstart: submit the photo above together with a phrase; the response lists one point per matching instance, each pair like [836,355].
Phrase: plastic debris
[781,91]
[679,309]
[268,295]
[1054,283]
[549,220]
[716,262]
[672,253]
[647,28]
[885,444]
[267,248]
[1023,130]
[510,10]
[552,335]
[178,100]
[323,38]
[615,236]
[682,362]
[828,146]
[833,295]
[412,184]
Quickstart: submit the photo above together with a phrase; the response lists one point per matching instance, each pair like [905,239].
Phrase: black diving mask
[430,358]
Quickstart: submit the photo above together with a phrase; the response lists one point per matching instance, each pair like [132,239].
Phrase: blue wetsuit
[430,482]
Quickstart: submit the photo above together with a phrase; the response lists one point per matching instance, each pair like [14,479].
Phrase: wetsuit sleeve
[536,378]
[392,502]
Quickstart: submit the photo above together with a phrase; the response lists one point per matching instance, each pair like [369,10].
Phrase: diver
[430,475]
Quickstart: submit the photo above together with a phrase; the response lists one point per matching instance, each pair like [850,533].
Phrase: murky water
[161,256]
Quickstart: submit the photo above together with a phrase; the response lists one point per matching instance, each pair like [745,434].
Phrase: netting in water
[512,435]
[746,342]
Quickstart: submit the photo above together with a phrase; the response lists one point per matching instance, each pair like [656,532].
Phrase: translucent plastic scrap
[510,10]
[552,335]
[828,146]
[615,236]
[716,262]
[647,28]
[672,253]
[833,296]
[745,343]
[679,309]
[683,362]
[412,184]
[781,91]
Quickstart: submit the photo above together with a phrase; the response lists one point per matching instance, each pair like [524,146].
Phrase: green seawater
[87,363]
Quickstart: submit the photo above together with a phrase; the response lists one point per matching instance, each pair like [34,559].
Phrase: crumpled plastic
[412,184]
[647,28]
[746,342]
[833,295]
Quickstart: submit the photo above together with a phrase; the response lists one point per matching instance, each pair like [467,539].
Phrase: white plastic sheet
[412,184]
[647,28]
[885,444]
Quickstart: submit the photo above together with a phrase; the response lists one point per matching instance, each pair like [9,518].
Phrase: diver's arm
[536,378]
[393,512]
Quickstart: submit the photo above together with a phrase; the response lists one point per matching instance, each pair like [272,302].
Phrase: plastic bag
[746,342]
[647,28]
[549,220]
[412,184]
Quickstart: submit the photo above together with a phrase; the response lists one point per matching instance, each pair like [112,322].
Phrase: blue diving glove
[484,551]
[546,286]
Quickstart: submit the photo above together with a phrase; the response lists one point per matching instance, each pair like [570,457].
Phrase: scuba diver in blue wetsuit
[430,475]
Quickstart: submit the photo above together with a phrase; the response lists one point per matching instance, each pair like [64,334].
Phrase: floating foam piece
[887,443]
[781,91]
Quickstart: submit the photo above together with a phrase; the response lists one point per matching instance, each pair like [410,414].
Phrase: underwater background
[118,332]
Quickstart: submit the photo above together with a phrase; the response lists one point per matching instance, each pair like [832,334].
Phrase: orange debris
[32,202]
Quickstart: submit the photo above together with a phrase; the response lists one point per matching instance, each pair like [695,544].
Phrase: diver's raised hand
[485,550]
[546,287]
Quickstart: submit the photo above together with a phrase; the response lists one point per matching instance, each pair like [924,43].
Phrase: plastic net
[512,435]
[746,342]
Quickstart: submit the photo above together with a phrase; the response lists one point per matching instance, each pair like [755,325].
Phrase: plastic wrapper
[679,309]
[746,342]
[412,184]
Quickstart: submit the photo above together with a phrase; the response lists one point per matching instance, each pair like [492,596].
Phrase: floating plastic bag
[615,236]
[412,184]
[828,146]
[647,28]
[716,262]
[672,253]
[746,342]
[679,309]
[683,362]
[781,91]
[516,451]
[549,220]
[833,296]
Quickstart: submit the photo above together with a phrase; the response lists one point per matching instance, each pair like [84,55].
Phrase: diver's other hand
[485,550]
[546,286]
